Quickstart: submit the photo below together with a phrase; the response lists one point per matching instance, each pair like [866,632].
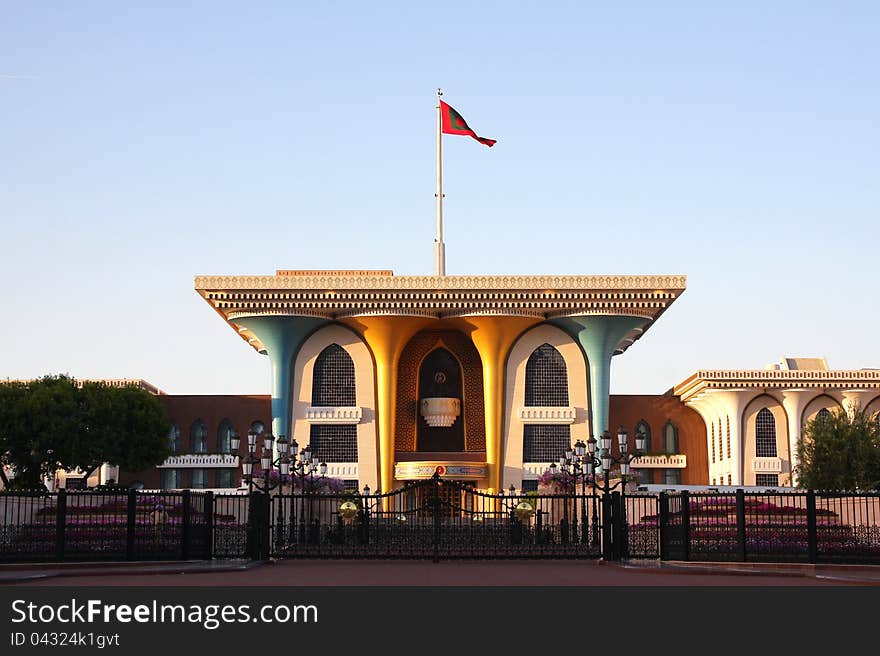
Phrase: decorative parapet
[547,415]
[334,415]
[733,379]
[200,460]
[343,470]
[670,461]
[533,470]
[767,465]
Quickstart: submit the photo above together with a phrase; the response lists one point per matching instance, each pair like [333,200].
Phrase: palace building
[490,378]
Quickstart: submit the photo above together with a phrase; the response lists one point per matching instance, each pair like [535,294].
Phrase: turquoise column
[599,336]
[282,338]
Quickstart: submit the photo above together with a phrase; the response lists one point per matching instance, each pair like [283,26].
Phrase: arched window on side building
[198,437]
[646,474]
[224,437]
[174,438]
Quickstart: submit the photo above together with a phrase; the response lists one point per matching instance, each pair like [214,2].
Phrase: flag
[452,123]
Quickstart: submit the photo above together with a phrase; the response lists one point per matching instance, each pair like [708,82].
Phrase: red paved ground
[461,573]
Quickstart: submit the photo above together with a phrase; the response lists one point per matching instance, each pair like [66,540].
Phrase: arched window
[546,385]
[670,437]
[546,378]
[224,437]
[333,385]
[644,427]
[333,378]
[198,437]
[765,434]
[174,438]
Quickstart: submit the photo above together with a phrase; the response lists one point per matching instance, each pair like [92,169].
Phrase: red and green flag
[452,123]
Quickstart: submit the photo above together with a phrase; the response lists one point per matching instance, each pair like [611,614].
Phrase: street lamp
[268,461]
[591,463]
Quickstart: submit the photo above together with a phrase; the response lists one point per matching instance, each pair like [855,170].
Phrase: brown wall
[184,410]
[628,409]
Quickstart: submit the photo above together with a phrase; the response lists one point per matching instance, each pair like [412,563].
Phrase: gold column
[493,336]
[386,336]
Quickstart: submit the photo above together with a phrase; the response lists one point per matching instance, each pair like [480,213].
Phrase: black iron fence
[807,527]
[436,519]
[106,525]
[439,519]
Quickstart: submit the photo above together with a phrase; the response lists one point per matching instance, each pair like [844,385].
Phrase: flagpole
[439,246]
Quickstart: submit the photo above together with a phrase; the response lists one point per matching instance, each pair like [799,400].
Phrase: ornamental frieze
[666,282]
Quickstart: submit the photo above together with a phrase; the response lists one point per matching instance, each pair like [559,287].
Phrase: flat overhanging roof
[336,295]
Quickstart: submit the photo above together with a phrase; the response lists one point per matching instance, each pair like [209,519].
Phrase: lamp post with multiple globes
[591,463]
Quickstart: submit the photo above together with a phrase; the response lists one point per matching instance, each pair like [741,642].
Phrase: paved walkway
[317,573]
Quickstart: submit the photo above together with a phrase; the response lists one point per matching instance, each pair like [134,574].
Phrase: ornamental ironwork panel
[436,519]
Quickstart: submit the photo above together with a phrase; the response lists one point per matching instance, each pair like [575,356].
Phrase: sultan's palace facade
[389,377]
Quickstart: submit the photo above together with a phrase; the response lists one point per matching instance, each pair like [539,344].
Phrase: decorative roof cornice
[339,294]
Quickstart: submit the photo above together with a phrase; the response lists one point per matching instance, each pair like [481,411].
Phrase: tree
[840,451]
[54,423]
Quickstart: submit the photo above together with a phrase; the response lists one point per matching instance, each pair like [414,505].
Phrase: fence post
[812,529]
[664,525]
[258,526]
[437,525]
[686,525]
[617,519]
[741,524]
[209,525]
[130,518]
[185,527]
[607,519]
[60,523]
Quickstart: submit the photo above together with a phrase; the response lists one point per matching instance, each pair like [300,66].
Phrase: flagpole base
[439,258]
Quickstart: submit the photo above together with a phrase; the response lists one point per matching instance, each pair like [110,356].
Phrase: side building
[755,417]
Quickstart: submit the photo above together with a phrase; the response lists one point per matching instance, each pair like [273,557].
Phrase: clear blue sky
[144,145]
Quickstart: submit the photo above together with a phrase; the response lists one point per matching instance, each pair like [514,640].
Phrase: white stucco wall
[367,466]
[515,389]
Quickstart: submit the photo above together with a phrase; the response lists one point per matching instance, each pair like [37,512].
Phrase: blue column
[599,336]
[282,337]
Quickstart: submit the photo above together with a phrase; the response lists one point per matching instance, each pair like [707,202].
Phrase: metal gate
[438,519]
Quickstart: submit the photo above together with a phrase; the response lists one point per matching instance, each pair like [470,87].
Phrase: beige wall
[365,386]
[515,389]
